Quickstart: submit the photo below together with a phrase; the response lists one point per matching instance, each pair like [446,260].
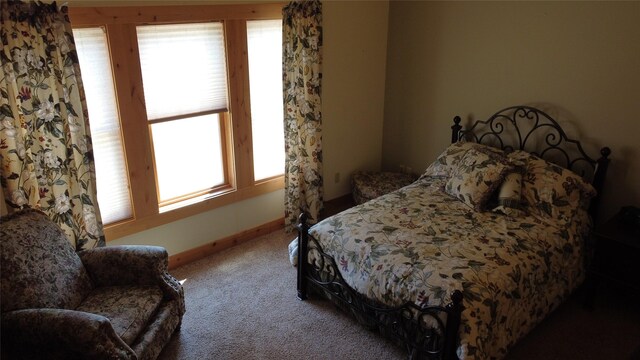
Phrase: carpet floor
[241,304]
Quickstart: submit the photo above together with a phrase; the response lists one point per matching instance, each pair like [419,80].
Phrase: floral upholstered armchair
[114,302]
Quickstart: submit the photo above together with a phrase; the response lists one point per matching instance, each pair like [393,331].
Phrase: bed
[466,260]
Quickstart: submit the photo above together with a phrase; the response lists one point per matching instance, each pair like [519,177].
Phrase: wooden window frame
[120,26]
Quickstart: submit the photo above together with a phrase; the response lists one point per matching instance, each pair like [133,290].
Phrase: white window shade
[114,199]
[183,69]
[188,155]
[264,40]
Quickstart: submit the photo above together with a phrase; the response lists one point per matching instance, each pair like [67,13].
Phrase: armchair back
[39,266]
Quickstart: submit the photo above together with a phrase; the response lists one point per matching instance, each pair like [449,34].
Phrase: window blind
[172,58]
[264,40]
[114,199]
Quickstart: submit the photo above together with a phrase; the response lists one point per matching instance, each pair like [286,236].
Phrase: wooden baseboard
[331,207]
[224,243]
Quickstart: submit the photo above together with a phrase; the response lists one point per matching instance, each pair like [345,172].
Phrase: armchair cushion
[60,334]
[129,308]
[39,266]
[132,265]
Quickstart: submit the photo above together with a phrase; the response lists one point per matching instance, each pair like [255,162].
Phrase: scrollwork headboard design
[533,130]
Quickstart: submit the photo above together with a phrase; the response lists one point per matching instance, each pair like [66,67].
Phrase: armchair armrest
[42,333]
[132,265]
[125,265]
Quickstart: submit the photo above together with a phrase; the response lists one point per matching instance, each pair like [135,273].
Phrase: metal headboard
[533,130]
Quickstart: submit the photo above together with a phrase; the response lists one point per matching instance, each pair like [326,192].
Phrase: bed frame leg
[453,325]
[413,354]
[303,244]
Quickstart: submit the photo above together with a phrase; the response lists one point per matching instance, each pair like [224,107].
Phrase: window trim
[120,27]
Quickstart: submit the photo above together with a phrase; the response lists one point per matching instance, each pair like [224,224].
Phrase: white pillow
[293,252]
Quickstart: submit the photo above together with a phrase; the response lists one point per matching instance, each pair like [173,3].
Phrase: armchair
[116,302]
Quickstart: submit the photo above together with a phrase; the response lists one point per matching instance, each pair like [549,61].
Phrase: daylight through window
[185,108]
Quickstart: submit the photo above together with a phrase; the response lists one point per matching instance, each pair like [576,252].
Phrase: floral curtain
[45,143]
[302,75]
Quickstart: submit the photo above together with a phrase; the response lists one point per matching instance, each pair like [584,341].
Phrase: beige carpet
[241,304]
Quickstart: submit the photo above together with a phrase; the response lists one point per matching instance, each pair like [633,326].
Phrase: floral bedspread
[419,244]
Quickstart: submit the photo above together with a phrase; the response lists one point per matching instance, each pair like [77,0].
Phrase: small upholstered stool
[369,185]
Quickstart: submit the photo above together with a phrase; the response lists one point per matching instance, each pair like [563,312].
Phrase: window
[114,200]
[169,111]
[184,76]
[265,78]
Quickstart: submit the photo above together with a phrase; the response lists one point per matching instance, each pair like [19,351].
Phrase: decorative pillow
[510,194]
[550,191]
[476,177]
[448,160]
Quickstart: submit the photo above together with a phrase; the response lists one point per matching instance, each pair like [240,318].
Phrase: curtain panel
[45,142]
[302,75]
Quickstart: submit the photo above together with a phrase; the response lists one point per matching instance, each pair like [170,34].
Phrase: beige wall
[578,60]
[354,60]
[194,231]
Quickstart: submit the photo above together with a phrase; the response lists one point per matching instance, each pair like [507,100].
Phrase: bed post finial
[455,129]
[303,244]
[454,311]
